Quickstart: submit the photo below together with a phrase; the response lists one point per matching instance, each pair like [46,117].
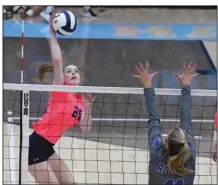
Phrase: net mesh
[115,151]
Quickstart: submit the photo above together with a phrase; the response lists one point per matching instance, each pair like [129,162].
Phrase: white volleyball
[64,22]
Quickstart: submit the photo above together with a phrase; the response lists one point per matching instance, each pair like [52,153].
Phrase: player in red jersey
[214,156]
[64,111]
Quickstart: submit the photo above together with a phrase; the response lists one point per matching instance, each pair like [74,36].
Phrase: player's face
[71,75]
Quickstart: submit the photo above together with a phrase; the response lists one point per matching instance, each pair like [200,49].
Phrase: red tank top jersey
[64,111]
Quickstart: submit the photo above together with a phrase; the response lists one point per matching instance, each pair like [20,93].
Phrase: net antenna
[24,122]
[14,179]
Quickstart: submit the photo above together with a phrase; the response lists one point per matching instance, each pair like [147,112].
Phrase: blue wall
[117,31]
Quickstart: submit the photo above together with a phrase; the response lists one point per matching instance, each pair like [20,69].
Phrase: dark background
[111,62]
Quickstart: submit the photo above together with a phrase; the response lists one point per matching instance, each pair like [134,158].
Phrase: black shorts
[40,149]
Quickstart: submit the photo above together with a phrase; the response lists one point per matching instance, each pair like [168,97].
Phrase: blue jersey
[158,170]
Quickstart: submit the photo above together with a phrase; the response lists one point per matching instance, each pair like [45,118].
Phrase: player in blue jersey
[171,162]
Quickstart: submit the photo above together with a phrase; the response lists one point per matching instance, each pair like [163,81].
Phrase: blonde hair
[47,67]
[179,152]
[44,69]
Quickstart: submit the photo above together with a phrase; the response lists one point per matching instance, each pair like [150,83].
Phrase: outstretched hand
[187,75]
[143,75]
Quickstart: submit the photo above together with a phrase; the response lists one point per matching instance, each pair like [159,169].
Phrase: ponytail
[176,163]
[44,69]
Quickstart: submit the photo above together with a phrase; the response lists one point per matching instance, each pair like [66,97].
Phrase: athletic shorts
[40,149]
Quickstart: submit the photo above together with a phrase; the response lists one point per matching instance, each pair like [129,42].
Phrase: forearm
[151,103]
[54,47]
[154,134]
[214,136]
[185,109]
[86,123]
[214,147]
[154,121]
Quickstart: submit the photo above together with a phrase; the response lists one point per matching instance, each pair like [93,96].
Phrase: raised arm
[185,105]
[185,109]
[154,130]
[56,56]
[154,133]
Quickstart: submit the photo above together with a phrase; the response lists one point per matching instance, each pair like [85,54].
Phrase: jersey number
[174,182]
[77,112]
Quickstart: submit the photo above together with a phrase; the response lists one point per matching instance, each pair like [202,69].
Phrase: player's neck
[73,93]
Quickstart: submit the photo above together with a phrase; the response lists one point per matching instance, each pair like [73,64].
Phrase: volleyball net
[115,151]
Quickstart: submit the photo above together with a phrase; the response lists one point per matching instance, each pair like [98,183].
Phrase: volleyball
[64,22]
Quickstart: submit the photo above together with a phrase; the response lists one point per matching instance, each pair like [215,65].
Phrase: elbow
[88,129]
[85,129]
[56,61]
[85,126]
